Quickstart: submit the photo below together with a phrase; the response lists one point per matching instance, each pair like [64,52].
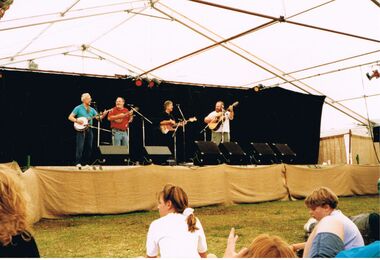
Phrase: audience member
[322,203]
[263,246]
[15,237]
[178,233]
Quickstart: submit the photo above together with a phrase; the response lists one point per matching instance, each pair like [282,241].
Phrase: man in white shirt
[220,118]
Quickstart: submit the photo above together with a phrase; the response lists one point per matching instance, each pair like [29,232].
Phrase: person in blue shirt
[82,116]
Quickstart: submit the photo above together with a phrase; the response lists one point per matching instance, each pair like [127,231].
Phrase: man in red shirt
[120,117]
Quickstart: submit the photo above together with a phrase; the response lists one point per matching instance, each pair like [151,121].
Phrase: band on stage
[120,118]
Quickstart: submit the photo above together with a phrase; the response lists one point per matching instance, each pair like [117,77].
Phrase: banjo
[85,120]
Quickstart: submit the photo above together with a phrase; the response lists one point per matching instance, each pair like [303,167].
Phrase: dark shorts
[326,245]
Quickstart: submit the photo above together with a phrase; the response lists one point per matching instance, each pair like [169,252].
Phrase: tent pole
[327,72]
[117,25]
[306,88]
[94,50]
[314,67]
[282,19]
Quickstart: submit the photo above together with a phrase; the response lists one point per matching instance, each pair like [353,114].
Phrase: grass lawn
[124,235]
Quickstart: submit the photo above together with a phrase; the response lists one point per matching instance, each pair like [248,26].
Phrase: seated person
[178,233]
[321,203]
[15,237]
[368,225]
[263,246]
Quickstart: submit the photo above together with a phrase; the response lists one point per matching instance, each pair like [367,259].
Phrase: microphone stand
[175,142]
[222,125]
[143,123]
[184,132]
[204,132]
[98,128]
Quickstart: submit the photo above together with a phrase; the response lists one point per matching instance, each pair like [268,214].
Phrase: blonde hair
[178,197]
[320,197]
[167,103]
[13,211]
[267,246]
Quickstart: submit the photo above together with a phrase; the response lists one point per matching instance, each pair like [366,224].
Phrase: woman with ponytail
[178,233]
[15,239]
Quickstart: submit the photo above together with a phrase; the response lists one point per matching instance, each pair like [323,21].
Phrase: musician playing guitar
[79,116]
[167,121]
[120,118]
[222,118]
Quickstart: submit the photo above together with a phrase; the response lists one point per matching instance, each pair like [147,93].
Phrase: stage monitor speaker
[160,155]
[207,153]
[376,133]
[262,153]
[234,154]
[285,153]
[114,155]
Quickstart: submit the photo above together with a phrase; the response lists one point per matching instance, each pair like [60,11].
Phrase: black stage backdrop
[35,108]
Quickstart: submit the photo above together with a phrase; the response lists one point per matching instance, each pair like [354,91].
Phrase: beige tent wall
[344,180]
[60,191]
[364,148]
[332,148]
[53,192]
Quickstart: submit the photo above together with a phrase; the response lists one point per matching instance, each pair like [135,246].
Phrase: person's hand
[172,122]
[105,112]
[231,247]
[78,121]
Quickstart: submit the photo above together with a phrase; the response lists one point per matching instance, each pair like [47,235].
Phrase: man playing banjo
[82,116]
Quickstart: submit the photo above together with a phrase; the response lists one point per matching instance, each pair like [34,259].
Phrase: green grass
[124,235]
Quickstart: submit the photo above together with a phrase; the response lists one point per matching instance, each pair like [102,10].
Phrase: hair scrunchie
[187,212]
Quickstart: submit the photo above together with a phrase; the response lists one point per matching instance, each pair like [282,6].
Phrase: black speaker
[285,153]
[160,155]
[207,153]
[114,155]
[234,154]
[376,133]
[262,153]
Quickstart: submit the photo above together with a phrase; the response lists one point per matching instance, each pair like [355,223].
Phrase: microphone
[130,105]
[93,102]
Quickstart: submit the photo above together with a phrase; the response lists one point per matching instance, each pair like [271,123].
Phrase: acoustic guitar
[220,117]
[171,127]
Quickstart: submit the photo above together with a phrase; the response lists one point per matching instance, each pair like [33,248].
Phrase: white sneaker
[78,165]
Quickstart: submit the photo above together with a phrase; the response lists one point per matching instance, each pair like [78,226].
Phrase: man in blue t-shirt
[82,116]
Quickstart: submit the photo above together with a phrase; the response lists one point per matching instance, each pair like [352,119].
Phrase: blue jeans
[84,146]
[120,138]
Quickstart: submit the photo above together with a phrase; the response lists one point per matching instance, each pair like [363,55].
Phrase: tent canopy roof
[313,46]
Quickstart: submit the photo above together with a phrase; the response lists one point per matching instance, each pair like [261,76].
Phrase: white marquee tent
[313,46]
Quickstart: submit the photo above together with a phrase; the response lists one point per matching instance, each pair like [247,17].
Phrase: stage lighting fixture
[258,88]
[153,83]
[375,74]
[138,82]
